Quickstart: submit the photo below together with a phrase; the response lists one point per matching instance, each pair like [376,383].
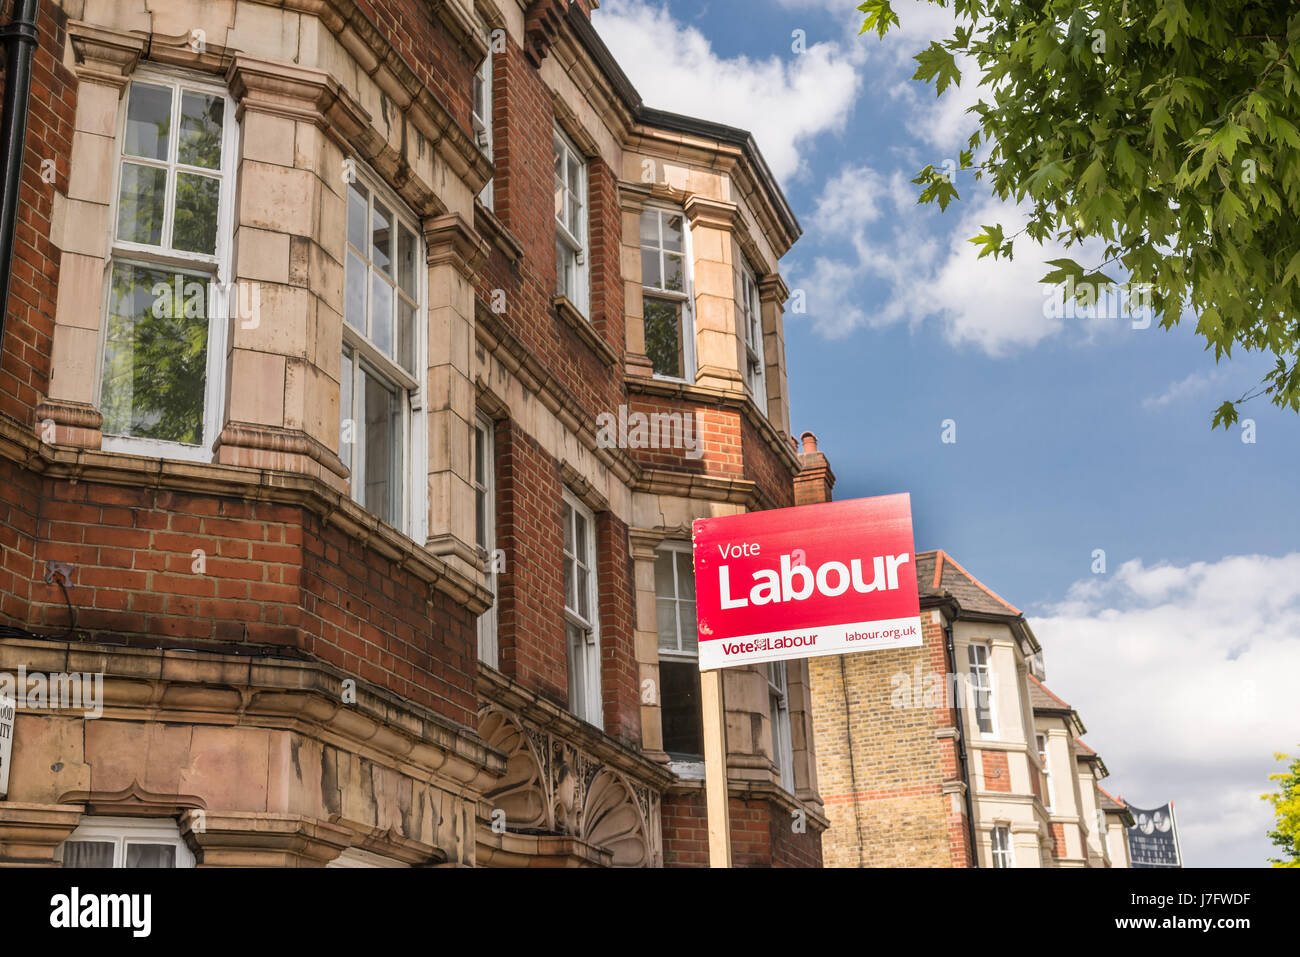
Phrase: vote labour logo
[799,582]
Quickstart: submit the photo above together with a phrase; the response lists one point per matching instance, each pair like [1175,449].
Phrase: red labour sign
[800,582]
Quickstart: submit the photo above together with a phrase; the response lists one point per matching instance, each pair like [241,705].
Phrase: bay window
[168,273]
[571,253]
[665,299]
[581,618]
[381,400]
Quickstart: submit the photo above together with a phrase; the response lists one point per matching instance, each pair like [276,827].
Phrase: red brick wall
[614,580]
[791,848]
[761,835]
[607,313]
[25,365]
[523,198]
[19,511]
[1058,839]
[997,776]
[531,589]
[271,575]
[764,466]
[429,50]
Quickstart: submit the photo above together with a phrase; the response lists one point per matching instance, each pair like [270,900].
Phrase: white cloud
[784,102]
[1192,385]
[996,306]
[1185,677]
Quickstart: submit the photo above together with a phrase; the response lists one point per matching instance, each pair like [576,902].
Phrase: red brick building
[366,363]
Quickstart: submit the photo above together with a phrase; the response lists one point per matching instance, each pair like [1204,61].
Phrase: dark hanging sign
[1153,838]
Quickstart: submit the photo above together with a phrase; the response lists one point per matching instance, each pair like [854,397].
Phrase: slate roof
[1110,803]
[1041,699]
[938,573]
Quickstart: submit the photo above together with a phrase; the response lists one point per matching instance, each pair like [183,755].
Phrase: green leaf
[880,16]
[938,64]
[991,239]
[1064,271]
[1225,415]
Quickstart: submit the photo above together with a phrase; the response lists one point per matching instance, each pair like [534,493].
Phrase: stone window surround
[414,394]
[106,60]
[220,264]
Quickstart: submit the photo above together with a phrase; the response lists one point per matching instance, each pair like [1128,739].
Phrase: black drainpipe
[965,760]
[19,37]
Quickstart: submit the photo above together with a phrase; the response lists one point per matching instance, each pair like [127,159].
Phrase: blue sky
[1072,435]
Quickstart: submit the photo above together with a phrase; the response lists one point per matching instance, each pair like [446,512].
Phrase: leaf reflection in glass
[155,354]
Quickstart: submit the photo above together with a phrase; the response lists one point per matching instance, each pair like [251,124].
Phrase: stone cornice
[150,685]
[772,288]
[695,485]
[247,484]
[520,362]
[509,849]
[542,24]
[103,55]
[289,441]
[380,60]
[487,223]
[498,689]
[714,213]
[568,313]
[462,26]
[452,240]
[738,401]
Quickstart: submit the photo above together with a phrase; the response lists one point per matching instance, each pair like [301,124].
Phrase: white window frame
[413,471]
[1044,743]
[121,831]
[217,266]
[779,714]
[677,654]
[1001,851]
[485,497]
[590,709]
[984,670]
[751,318]
[579,245]
[685,298]
[481,121]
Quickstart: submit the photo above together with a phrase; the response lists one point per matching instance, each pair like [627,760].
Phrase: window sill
[580,324]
